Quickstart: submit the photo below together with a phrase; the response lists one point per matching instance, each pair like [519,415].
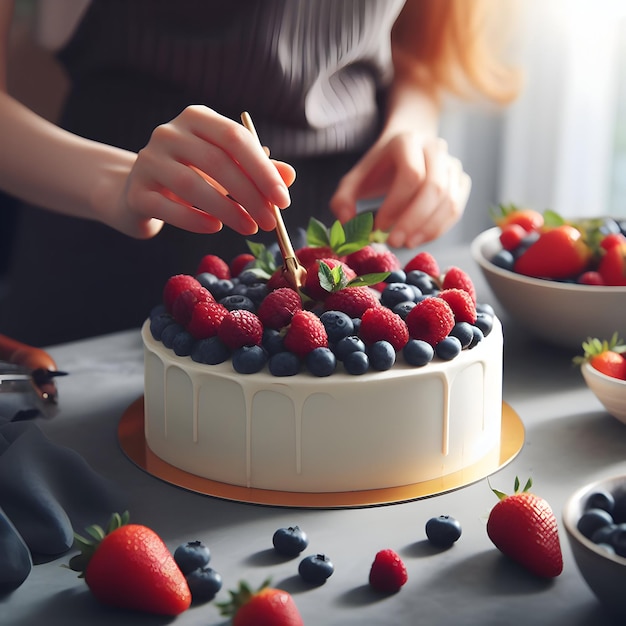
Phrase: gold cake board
[133,443]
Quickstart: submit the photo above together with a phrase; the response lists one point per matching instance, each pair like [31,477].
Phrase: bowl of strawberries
[561,280]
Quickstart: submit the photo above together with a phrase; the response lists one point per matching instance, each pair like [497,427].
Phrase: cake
[347,430]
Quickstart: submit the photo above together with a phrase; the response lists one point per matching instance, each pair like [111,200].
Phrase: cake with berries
[370,376]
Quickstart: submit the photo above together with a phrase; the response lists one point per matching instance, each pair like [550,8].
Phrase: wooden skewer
[294,272]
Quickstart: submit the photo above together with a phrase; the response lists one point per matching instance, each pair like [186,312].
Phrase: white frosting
[308,434]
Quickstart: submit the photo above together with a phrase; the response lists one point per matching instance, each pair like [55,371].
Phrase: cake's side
[341,433]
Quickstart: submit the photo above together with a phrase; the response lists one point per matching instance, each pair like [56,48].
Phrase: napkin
[46,491]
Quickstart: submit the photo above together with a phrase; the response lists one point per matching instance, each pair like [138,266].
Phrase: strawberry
[612,266]
[605,356]
[307,255]
[529,219]
[388,573]
[461,304]
[312,286]
[130,567]
[612,239]
[456,278]
[559,253]
[175,285]
[240,328]
[205,319]
[382,324]
[590,277]
[264,607]
[524,528]
[215,265]
[423,262]
[512,236]
[305,333]
[240,262]
[430,320]
[278,307]
[352,301]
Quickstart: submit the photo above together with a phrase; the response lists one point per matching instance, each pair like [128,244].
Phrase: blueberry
[337,324]
[191,555]
[347,345]
[394,293]
[169,334]
[210,351]
[396,276]
[290,541]
[382,355]
[238,301]
[356,322]
[463,332]
[204,583]
[618,539]
[483,307]
[503,259]
[183,343]
[257,293]
[448,348]
[417,352]
[316,569]
[284,364]
[249,359]
[248,277]
[221,288]
[477,336]
[421,280]
[591,520]
[403,308]
[484,322]
[443,531]
[206,279]
[156,310]
[321,362]
[604,534]
[356,363]
[159,323]
[601,500]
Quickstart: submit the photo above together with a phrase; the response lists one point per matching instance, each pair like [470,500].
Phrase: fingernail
[280,196]
[395,239]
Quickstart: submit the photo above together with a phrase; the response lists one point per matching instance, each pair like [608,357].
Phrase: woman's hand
[202,171]
[425,189]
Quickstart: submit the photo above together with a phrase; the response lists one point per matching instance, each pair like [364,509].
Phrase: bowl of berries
[603,366]
[594,517]
[562,281]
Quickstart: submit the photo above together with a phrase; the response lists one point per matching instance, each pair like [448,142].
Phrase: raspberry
[379,261]
[309,254]
[423,262]
[456,278]
[388,573]
[186,300]
[382,324]
[312,285]
[461,304]
[240,328]
[205,320]
[176,285]
[352,301]
[430,320]
[305,333]
[215,265]
[278,307]
[356,259]
[277,280]
[239,263]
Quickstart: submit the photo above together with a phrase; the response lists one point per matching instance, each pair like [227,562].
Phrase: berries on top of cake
[360,310]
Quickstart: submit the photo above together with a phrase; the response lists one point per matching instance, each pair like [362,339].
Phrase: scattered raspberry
[215,265]
[309,254]
[277,280]
[240,328]
[423,262]
[240,262]
[305,333]
[388,573]
[461,304]
[206,318]
[380,261]
[356,259]
[186,300]
[176,285]
[312,285]
[430,320]
[352,301]
[382,324]
[278,307]
[512,236]
[456,278]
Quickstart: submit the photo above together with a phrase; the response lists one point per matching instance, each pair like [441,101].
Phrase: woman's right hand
[200,172]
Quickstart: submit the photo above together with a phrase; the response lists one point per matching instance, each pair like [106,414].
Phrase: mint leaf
[317,234]
[265,263]
[368,279]
[552,218]
[326,278]
[359,228]
[337,236]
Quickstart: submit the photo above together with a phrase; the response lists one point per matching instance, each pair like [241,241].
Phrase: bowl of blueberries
[594,518]
[548,280]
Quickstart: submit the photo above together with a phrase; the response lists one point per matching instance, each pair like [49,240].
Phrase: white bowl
[561,314]
[604,573]
[610,391]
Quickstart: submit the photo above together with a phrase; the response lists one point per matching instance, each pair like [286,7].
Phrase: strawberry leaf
[552,219]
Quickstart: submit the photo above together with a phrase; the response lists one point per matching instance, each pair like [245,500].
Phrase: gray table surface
[570,440]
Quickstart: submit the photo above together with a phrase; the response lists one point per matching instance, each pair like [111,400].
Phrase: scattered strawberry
[382,324]
[206,318]
[388,573]
[352,301]
[430,320]
[456,278]
[559,253]
[186,300]
[424,262]
[461,303]
[529,219]
[130,567]
[278,307]
[215,265]
[175,285]
[240,328]
[612,266]
[605,356]
[240,262]
[305,333]
[265,607]
[524,528]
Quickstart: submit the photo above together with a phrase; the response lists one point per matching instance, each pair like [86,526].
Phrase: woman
[345,92]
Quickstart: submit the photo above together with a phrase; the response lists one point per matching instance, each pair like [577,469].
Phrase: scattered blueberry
[394,293]
[210,351]
[183,343]
[204,583]
[443,531]
[382,355]
[169,334]
[477,336]
[356,363]
[290,541]
[238,301]
[601,500]
[321,362]
[191,555]
[503,259]
[159,323]
[593,519]
[484,322]
[249,359]
[206,279]
[284,364]
[396,276]
[404,308]
[221,288]
[463,332]
[421,280]
[347,345]
[417,352]
[337,324]
[448,348]
[316,569]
